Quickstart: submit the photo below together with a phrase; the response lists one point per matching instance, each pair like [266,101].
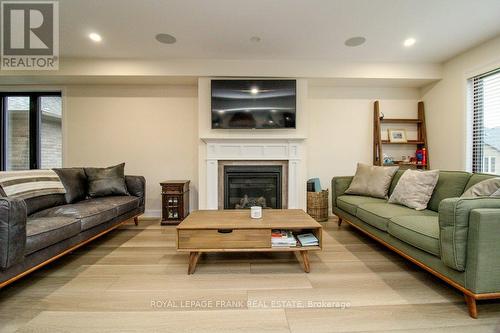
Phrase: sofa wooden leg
[340,221]
[471,305]
[136,220]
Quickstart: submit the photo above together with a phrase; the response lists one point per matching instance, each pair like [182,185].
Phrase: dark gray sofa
[37,231]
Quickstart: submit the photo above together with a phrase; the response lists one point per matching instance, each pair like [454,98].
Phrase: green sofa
[456,239]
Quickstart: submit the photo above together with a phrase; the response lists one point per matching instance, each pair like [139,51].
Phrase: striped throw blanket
[30,183]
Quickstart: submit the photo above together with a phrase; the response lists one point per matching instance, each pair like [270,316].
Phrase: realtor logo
[30,35]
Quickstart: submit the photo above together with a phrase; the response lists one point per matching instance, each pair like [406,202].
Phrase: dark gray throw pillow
[75,183]
[106,181]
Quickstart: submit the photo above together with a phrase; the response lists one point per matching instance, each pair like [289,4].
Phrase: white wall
[151,128]
[156,130]
[446,105]
[75,70]
[341,126]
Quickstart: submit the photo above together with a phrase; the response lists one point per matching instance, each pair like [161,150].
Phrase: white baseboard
[156,213]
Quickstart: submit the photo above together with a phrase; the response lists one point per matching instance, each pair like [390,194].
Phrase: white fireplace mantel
[253,149]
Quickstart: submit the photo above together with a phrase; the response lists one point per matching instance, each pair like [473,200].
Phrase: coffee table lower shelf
[194,254]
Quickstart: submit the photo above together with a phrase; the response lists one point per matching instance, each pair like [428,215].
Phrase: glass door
[30,130]
[17,133]
[50,132]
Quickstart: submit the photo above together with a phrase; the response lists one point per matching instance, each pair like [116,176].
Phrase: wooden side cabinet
[175,201]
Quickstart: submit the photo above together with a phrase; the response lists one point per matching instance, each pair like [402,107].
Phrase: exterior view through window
[31,131]
[486,123]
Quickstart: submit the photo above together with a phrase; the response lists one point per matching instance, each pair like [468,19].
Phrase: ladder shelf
[420,142]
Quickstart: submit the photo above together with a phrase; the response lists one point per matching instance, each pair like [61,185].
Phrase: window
[489,164]
[30,130]
[485,122]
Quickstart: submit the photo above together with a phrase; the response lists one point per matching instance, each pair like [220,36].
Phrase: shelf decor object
[175,201]
[420,143]
[397,136]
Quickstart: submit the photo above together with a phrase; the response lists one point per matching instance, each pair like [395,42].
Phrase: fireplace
[247,186]
[253,183]
[285,152]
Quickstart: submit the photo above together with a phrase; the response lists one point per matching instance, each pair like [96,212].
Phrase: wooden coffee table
[234,231]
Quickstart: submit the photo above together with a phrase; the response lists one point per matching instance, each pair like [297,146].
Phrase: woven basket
[317,205]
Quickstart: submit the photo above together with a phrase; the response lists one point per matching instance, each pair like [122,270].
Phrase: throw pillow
[486,188]
[373,181]
[75,183]
[28,184]
[106,181]
[414,189]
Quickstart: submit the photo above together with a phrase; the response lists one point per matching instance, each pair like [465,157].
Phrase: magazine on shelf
[283,238]
[308,239]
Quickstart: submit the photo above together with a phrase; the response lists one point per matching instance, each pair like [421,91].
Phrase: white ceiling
[290,29]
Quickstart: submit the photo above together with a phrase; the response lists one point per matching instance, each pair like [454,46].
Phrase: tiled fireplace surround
[282,152]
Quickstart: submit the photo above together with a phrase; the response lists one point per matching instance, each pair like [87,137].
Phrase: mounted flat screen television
[259,104]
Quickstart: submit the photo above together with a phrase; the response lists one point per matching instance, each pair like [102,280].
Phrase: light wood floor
[134,280]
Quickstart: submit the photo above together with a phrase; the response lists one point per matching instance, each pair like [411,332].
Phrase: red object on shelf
[424,156]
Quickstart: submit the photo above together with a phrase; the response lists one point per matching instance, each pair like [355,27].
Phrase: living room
[131,129]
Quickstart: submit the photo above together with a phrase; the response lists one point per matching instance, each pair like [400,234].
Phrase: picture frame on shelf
[397,136]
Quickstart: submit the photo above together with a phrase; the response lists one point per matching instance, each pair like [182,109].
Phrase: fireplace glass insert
[252,185]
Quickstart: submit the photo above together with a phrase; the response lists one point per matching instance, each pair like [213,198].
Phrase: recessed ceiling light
[355,41]
[95,37]
[166,38]
[255,39]
[409,42]
[254,91]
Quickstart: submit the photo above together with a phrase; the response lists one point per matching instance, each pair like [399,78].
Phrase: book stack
[308,240]
[283,238]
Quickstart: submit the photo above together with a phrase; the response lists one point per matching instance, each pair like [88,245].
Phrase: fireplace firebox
[252,185]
